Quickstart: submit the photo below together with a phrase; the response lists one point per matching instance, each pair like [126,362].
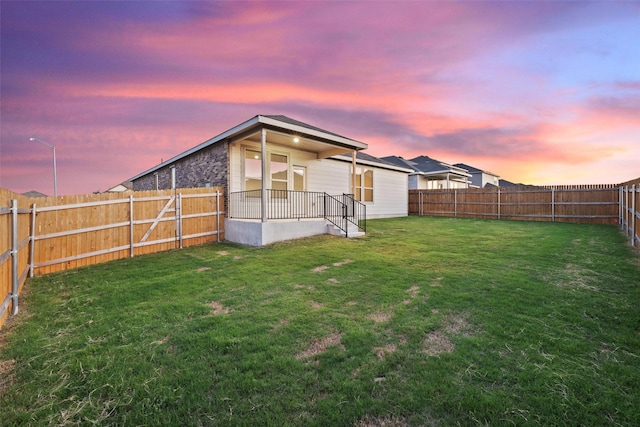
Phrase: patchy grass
[426,321]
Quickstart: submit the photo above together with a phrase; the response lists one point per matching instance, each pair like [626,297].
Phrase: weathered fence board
[45,235]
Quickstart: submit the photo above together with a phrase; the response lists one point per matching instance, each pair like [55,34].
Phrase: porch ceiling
[322,147]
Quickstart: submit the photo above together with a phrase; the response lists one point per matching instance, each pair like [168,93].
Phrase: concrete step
[353,231]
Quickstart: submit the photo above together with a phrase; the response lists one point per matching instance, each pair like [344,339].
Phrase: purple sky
[537,92]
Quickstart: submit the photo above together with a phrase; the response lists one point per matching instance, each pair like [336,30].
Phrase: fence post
[455,203]
[179,207]
[620,205]
[14,255]
[633,218]
[218,215]
[498,202]
[553,204]
[626,210]
[131,225]
[32,240]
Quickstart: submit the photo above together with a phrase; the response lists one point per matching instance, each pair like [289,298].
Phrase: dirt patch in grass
[413,291]
[7,375]
[437,282]
[217,308]
[574,276]
[301,286]
[319,346]
[333,281]
[341,263]
[319,268]
[223,253]
[237,257]
[388,421]
[381,352]
[439,341]
[457,325]
[351,303]
[315,304]
[380,316]
[436,343]
[201,269]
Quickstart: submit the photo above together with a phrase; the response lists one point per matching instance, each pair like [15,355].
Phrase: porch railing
[355,211]
[287,204]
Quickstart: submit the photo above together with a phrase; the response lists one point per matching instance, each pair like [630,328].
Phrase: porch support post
[353,173]
[263,166]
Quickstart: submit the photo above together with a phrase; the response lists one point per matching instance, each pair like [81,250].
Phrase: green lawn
[426,321]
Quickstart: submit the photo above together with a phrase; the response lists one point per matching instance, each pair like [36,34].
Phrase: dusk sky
[536,92]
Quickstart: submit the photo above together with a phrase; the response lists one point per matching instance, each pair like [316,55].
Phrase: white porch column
[353,173]
[448,183]
[263,166]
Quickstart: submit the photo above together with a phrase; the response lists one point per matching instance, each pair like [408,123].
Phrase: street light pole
[55,177]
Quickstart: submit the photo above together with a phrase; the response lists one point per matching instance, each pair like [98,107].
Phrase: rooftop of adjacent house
[278,124]
[400,161]
[34,194]
[473,169]
[426,164]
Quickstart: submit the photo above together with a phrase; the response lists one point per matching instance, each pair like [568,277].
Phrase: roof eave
[345,142]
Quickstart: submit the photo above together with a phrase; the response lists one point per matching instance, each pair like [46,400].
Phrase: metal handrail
[290,204]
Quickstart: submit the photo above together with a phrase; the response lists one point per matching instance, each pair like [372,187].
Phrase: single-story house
[285,179]
[431,174]
[480,178]
[123,187]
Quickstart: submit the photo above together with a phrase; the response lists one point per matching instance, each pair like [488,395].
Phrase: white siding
[390,194]
[390,190]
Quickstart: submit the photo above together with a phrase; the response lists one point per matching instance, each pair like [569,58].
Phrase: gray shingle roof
[291,121]
[467,167]
[426,164]
[399,161]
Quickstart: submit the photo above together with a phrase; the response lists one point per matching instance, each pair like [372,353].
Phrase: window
[252,170]
[279,168]
[278,173]
[299,178]
[364,184]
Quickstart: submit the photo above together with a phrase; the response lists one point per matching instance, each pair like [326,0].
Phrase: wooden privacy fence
[45,235]
[592,204]
[584,204]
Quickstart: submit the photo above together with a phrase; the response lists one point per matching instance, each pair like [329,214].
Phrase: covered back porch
[283,186]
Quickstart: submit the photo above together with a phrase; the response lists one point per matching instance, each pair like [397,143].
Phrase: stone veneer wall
[207,166]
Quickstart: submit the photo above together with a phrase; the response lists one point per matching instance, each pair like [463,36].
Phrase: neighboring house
[480,178]
[34,194]
[505,183]
[121,188]
[285,179]
[431,174]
